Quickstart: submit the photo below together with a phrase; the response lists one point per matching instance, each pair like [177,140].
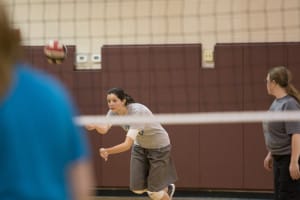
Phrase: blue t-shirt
[38,138]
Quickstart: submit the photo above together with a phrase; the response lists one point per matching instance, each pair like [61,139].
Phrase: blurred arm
[81,180]
[100,128]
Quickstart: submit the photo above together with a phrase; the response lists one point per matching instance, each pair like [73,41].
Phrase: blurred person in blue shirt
[43,154]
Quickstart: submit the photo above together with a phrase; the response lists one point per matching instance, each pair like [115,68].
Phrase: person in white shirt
[150,144]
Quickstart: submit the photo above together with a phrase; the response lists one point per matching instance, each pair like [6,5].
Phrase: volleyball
[55,51]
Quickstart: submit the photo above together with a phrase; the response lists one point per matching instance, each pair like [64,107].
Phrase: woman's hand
[103,153]
[295,154]
[268,162]
[294,170]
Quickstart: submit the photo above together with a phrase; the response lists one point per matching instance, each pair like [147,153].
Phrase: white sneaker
[171,190]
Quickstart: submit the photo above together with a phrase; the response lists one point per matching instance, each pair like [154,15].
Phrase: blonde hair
[283,77]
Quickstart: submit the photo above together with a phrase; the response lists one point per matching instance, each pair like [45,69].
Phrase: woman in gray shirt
[283,138]
[151,166]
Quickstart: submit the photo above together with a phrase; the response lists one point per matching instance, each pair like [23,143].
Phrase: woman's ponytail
[129,99]
[292,91]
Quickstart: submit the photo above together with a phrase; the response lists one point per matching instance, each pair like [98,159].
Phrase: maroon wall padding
[258,59]
[170,79]
[221,147]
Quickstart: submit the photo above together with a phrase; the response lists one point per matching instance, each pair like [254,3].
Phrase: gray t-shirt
[151,135]
[278,134]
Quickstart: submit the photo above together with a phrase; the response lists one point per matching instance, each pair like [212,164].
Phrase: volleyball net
[91,24]
[194,118]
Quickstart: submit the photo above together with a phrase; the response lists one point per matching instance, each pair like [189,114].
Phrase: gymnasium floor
[180,195]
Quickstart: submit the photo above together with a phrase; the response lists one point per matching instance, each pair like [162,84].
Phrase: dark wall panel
[259,58]
[95,143]
[220,145]
[255,176]
[185,152]
[293,61]
[221,156]
[115,172]
[221,87]
[174,82]
[169,79]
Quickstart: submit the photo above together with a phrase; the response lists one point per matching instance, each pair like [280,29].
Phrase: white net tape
[194,118]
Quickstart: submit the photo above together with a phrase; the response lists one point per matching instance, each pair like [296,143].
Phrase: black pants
[285,187]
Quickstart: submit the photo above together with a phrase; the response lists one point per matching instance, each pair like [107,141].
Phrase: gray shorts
[151,169]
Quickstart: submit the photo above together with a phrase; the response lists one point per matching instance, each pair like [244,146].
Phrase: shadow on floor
[123,194]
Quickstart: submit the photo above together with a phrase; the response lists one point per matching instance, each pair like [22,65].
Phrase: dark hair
[119,92]
[283,77]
